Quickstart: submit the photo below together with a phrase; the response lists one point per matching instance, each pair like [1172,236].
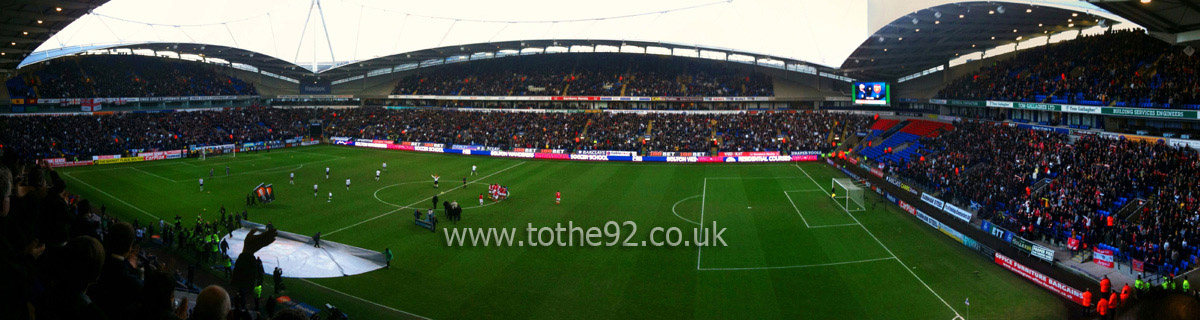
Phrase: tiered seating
[895,141]
[106,76]
[883,125]
[925,128]
[906,142]
[878,128]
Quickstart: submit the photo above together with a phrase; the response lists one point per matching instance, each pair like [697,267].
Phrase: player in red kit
[557,197]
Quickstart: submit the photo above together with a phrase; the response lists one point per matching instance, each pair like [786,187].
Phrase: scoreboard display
[872,93]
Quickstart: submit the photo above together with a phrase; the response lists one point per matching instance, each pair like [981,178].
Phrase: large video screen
[872,93]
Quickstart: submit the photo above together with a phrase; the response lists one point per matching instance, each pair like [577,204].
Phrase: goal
[847,194]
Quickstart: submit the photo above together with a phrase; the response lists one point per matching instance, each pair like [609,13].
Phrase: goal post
[847,194]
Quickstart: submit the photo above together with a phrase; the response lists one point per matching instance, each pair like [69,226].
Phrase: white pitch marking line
[703,200]
[748,178]
[799,266]
[151,173]
[376,194]
[68,174]
[902,264]
[419,201]
[269,170]
[132,165]
[794,206]
[834,225]
[677,213]
[364,300]
[789,197]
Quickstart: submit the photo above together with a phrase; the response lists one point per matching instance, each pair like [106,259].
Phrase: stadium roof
[1177,21]
[341,38]
[340,32]
[932,36]
[26,24]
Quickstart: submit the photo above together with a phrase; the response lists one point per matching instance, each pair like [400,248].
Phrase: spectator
[158,297]
[211,304]
[80,263]
[120,282]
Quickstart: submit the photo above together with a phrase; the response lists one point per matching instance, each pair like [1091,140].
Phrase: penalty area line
[889,251]
[151,173]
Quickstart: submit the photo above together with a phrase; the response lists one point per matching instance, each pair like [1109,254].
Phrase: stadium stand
[595,74]
[117,76]
[1043,186]
[84,136]
[1118,68]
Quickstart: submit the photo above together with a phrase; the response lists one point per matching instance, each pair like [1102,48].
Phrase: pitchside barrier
[590,155]
[928,209]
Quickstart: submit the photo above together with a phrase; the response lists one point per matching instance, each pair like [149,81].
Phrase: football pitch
[789,251]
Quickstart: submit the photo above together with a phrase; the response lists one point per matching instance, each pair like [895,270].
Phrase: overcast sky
[818,31]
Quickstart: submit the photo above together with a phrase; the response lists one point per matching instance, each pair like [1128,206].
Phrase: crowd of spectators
[71,136]
[1124,68]
[117,76]
[596,74]
[647,131]
[82,136]
[1042,185]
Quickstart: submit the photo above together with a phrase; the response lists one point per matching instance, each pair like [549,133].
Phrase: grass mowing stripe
[422,200]
[906,268]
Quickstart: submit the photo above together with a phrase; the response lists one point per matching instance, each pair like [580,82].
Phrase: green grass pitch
[792,252]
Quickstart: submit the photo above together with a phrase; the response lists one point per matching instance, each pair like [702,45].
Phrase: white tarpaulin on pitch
[299,259]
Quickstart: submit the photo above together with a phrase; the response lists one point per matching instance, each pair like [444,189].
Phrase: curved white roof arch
[323,34]
[355,30]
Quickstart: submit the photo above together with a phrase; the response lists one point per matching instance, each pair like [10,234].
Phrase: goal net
[847,194]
